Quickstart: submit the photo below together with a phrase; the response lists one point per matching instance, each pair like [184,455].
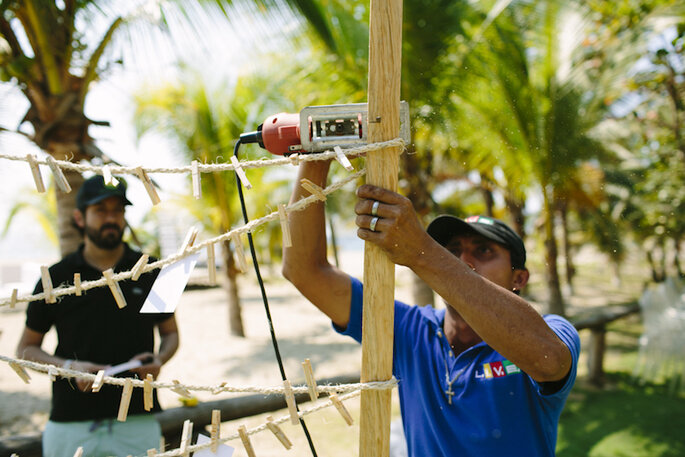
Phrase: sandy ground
[209,355]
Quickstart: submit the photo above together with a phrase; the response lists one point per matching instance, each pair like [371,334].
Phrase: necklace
[449,392]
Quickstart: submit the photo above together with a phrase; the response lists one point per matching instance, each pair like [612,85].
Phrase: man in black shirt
[93,333]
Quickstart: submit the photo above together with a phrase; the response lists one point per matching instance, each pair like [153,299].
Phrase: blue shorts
[104,438]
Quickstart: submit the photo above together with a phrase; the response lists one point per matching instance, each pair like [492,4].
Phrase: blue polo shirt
[495,409]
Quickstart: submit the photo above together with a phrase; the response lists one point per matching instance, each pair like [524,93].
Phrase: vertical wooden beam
[385,56]
[595,360]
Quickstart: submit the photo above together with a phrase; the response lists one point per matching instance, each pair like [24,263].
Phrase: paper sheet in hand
[221,451]
[116,369]
[167,289]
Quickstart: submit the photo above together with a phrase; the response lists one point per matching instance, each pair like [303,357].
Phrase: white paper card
[222,450]
[167,289]
[116,369]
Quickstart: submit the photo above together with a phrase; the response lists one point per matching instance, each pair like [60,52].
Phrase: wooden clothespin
[189,239]
[276,430]
[13,298]
[52,373]
[246,441]
[342,158]
[47,285]
[341,409]
[137,269]
[115,288]
[162,444]
[219,388]
[294,159]
[241,173]
[21,372]
[211,264]
[180,390]
[107,176]
[60,179]
[239,252]
[151,452]
[147,392]
[195,177]
[311,381]
[313,189]
[290,401]
[149,187]
[77,284]
[35,171]
[186,436]
[99,380]
[285,227]
[125,400]
[215,431]
[79,452]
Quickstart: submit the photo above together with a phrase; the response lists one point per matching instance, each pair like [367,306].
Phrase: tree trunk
[235,319]
[556,301]
[69,237]
[568,249]
[515,208]
[334,239]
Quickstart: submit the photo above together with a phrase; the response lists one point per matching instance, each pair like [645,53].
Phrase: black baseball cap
[94,190]
[444,227]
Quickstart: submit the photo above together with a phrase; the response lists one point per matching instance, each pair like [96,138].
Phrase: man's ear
[520,279]
[79,218]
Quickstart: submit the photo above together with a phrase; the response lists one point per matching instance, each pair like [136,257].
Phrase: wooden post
[595,360]
[385,56]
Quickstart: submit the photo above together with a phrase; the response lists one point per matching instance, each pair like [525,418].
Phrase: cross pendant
[449,394]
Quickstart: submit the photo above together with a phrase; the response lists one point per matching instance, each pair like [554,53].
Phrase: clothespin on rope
[79,452]
[241,173]
[186,437]
[151,452]
[215,431]
[311,381]
[125,400]
[189,239]
[313,189]
[195,177]
[13,298]
[162,444]
[52,373]
[276,430]
[77,284]
[147,392]
[99,379]
[107,176]
[149,187]
[341,409]
[47,285]
[35,172]
[115,288]
[60,179]
[21,372]
[180,390]
[246,441]
[290,401]
[238,246]
[285,228]
[211,264]
[137,269]
[342,158]
[294,159]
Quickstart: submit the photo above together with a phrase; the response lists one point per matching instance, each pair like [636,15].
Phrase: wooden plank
[385,59]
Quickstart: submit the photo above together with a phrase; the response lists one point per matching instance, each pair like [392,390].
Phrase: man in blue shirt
[486,376]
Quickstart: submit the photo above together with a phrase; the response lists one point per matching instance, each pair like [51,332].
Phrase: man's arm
[305,264]
[168,345]
[29,348]
[505,321]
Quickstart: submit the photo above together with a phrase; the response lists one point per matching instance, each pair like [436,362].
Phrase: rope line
[294,159]
[214,390]
[250,227]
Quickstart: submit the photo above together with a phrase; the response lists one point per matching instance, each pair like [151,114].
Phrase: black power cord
[263,290]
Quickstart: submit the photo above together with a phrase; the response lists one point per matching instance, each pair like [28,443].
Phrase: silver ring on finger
[374,208]
[372,226]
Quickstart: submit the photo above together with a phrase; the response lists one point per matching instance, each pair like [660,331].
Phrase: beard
[104,238]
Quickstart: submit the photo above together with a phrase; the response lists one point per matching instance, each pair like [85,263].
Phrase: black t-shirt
[91,327]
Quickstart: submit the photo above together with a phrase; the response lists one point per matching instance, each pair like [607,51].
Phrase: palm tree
[49,51]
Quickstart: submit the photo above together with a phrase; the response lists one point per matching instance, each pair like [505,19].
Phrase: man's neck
[102,259]
[458,333]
